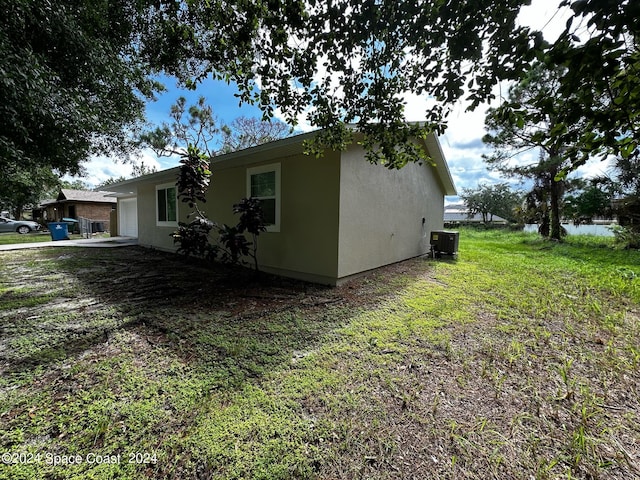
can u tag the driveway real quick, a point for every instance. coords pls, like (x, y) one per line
(109, 242)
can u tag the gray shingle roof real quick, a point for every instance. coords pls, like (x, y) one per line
(85, 196)
(459, 213)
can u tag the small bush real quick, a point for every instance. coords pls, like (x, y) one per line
(194, 238)
(626, 237)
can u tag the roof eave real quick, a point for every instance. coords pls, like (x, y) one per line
(437, 155)
(268, 151)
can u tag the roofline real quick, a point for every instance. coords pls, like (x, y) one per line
(218, 160)
(431, 142)
(265, 147)
(148, 176)
(441, 164)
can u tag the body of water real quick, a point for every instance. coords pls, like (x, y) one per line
(600, 230)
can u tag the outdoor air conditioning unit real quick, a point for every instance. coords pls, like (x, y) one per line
(444, 242)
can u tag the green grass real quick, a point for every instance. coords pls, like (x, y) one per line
(520, 359)
(11, 238)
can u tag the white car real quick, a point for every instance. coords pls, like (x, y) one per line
(20, 226)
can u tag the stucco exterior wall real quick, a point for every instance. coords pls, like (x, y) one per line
(149, 234)
(307, 244)
(382, 212)
(339, 215)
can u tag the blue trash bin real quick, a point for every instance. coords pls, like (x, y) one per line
(59, 231)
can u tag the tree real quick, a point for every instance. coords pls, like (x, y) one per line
(588, 199)
(140, 169)
(251, 221)
(194, 238)
(195, 125)
(490, 200)
(536, 127)
(21, 188)
(245, 132)
(627, 205)
(627, 172)
(337, 63)
(600, 51)
(350, 61)
(71, 83)
(346, 62)
(137, 170)
(72, 185)
(193, 134)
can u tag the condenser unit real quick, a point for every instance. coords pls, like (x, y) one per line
(444, 242)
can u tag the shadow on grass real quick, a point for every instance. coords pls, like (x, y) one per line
(215, 318)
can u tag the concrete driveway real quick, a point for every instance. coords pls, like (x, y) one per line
(108, 242)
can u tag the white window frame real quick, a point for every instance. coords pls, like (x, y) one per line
(164, 186)
(274, 167)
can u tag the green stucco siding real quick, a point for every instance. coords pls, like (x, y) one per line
(382, 212)
(149, 234)
(307, 244)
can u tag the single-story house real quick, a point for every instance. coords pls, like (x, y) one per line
(96, 206)
(329, 218)
(458, 214)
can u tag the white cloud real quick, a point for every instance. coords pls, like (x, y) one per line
(462, 142)
(545, 16)
(595, 168)
(99, 169)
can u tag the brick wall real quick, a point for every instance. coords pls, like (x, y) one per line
(97, 212)
(94, 211)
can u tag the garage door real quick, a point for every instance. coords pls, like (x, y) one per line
(128, 217)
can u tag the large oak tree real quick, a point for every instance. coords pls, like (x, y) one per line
(71, 83)
(73, 74)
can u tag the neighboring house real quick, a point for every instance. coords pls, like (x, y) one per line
(627, 210)
(329, 218)
(458, 214)
(96, 206)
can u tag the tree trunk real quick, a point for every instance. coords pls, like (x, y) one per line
(543, 229)
(255, 252)
(556, 187)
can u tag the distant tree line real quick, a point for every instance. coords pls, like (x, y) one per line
(539, 127)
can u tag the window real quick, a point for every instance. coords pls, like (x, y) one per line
(263, 183)
(166, 206)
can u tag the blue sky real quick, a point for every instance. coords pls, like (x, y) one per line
(218, 94)
(462, 142)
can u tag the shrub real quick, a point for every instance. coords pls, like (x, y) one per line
(626, 237)
(194, 238)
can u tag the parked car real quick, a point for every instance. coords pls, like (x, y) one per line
(20, 226)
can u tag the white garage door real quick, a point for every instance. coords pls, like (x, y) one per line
(128, 217)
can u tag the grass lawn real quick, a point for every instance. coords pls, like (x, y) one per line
(10, 238)
(519, 360)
